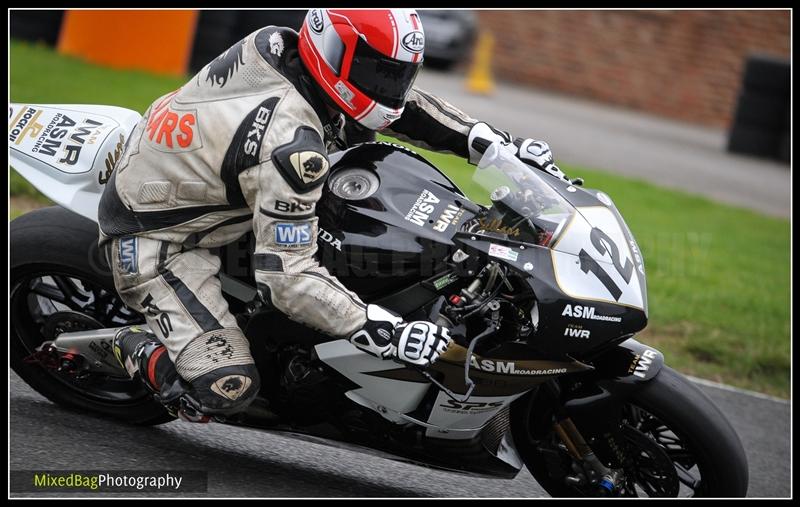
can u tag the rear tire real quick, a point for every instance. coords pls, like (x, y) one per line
(59, 242)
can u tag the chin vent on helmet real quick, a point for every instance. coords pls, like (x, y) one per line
(353, 184)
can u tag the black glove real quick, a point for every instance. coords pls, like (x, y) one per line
(375, 337)
(537, 154)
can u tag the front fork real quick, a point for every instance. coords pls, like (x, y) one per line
(589, 470)
(618, 373)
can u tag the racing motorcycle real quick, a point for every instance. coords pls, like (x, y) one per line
(539, 279)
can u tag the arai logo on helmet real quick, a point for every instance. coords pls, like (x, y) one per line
(414, 42)
(315, 21)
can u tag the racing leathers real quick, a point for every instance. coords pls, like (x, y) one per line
(242, 146)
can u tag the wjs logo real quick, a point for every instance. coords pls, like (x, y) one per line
(293, 234)
(128, 255)
(173, 131)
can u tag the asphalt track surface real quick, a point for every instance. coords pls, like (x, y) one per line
(251, 463)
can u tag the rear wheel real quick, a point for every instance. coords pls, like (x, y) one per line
(60, 283)
(670, 441)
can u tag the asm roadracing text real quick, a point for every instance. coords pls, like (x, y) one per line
(490, 365)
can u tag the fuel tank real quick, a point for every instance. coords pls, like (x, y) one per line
(387, 217)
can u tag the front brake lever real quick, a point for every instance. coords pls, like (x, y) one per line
(467, 362)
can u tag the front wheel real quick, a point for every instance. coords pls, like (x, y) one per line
(670, 440)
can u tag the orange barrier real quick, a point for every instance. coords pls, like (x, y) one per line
(157, 41)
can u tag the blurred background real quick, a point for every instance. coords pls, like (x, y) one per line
(683, 117)
(726, 69)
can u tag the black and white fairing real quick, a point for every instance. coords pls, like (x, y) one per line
(394, 216)
(572, 246)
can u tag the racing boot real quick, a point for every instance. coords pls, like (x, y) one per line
(140, 353)
(211, 391)
(143, 356)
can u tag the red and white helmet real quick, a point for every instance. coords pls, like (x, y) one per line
(364, 60)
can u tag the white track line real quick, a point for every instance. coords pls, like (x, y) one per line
(726, 387)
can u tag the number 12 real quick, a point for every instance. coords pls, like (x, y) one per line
(603, 243)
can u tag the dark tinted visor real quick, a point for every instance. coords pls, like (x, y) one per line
(383, 79)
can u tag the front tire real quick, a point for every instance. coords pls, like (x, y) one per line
(59, 281)
(668, 424)
(684, 408)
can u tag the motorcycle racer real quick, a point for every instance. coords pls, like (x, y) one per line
(244, 146)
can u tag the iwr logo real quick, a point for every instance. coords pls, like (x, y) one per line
(293, 234)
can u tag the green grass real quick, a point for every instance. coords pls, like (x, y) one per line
(718, 276)
(40, 75)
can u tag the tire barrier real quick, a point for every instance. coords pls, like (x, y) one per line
(763, 113)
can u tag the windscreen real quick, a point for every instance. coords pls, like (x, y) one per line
(524, 206)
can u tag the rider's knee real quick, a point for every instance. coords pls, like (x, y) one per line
(220, 370)
(227, 390)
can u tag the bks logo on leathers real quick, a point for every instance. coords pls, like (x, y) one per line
(256, 132)
(293, 207)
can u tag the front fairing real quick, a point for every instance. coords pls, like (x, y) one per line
(573, 247)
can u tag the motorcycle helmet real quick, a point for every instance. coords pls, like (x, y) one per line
(364, 61)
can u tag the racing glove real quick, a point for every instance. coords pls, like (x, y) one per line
(534, 153)
(386, 336)
(375, 337)
(420, 343)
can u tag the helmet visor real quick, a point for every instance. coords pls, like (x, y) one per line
(383, 79)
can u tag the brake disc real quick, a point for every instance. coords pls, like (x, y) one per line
(68, 322)
(647, 464)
